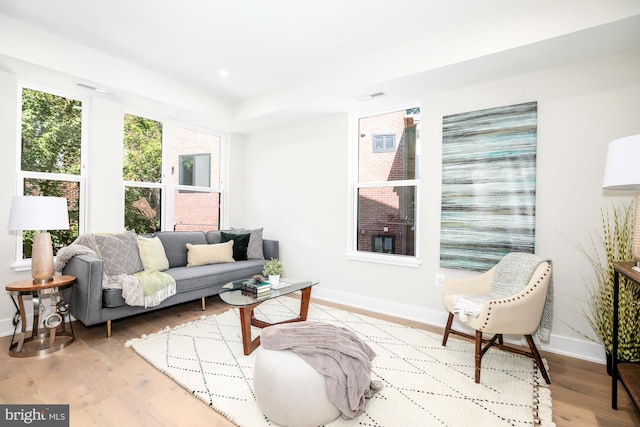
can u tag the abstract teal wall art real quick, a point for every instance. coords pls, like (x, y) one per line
(488, 185)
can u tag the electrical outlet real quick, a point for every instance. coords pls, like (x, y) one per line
(439, 279)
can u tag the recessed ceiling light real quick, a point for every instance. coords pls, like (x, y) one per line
(223, 73)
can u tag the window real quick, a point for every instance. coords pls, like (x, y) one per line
(142, 174)
(191, 198)
(384, 143)
(197, 192)
(195, 169)
(384, 244)
(50, 159)
(385, 186)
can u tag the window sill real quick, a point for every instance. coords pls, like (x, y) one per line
(399, 260)
(22, 265)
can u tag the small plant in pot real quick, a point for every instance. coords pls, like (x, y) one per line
(273, 268)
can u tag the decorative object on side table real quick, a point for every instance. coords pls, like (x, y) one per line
(39, 213)
(273, 269)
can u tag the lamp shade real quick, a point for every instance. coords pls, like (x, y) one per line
(622, 170)
(38, 213)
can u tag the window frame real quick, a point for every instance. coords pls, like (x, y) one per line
(352, 253)
(20, 264)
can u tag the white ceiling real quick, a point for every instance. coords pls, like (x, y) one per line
(325, 54)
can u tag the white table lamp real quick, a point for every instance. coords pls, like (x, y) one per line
(622, 172)
(39, 213)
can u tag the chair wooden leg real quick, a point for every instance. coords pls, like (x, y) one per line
(108, 328)
(447, 328)
(478, 355)
(203, 304)
(538, 359)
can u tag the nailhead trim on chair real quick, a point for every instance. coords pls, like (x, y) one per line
(486, 320)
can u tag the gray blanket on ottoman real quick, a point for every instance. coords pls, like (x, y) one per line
(335, 352)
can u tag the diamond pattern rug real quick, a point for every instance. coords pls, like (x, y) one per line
(425, 384)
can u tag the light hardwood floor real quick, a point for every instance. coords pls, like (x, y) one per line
(106, 384)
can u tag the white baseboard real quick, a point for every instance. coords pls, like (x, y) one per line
(585, 350)
(6, 327)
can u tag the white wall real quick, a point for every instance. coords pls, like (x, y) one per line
(300, 195)
(105, 193)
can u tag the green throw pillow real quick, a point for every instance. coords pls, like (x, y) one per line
(240, 244)
(254, 250)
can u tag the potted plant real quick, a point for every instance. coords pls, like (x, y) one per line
(273, 268)
(616, 238)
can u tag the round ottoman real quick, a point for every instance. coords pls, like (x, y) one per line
(289, 391)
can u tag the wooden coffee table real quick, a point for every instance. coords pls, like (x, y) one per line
(232, 294)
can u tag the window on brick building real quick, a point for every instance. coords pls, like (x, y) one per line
(384, 143)
(50, 155)
(171, 176)
(385, 186)
(195, 169)
(384, 244)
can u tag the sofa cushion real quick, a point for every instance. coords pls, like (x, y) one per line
(213, 236)
(175, 244)
(240, 244)
(152, 254)
(119, 253)
(209, 254)
(254, 250)
(205, 276)
(205, 279)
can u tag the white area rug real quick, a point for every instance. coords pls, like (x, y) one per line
(425, 384)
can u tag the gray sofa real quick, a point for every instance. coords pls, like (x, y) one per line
(92, 305)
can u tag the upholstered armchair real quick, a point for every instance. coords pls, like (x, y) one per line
(512, 298)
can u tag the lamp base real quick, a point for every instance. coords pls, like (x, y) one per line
(42, 258)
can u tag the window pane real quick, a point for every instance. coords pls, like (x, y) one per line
(195, 170)
(379, 159)
(388, 210)
(51, 133)
(196, 210)
(186, 170)
(204, 150)
(142, 209)
(142, 149)
(67, 189)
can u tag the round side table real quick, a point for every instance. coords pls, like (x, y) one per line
(57, 324)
